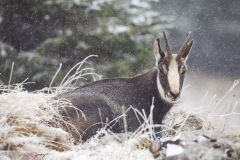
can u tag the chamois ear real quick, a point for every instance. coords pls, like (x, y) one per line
(186, 47)
(158, 52)
(187, 51)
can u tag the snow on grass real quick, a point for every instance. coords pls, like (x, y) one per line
(29, 123)
(31, 126)
(25, 122)
(106, 148)
(219, 110)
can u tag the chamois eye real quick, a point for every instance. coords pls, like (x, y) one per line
(182, 69)
(163, 69)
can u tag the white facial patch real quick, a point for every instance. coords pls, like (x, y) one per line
(161, 91)
(173, 75)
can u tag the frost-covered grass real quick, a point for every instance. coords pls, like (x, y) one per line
(31, 126)
(218, 104)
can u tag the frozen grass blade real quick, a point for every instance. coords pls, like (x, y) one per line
(78, 73)
(55, 75)
(10, 78)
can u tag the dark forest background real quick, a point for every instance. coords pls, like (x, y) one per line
(39, 35)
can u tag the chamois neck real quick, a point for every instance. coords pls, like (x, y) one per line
(148, 81)
(148, 78)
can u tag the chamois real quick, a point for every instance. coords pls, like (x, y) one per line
(101, 101)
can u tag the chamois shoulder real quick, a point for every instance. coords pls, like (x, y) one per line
(105, 82)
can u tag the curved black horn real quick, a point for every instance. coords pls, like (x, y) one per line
(168, 49)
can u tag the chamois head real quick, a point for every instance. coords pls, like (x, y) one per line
(171, 67)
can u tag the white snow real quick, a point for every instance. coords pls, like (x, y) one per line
(116, 29)
(173, 150)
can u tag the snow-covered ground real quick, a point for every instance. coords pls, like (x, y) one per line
(197, 128)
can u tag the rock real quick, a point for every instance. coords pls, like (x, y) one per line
(155, 148)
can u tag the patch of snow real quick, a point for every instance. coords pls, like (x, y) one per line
(173, 150)
(107, 149)
(77, 2)
(140, 3)
(117, 29)
(146, 17)
(3, 157)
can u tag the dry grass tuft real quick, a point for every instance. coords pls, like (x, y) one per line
(220, 113)
(25, 122)
(31, 121)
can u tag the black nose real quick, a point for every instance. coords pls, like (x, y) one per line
(174, 95)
